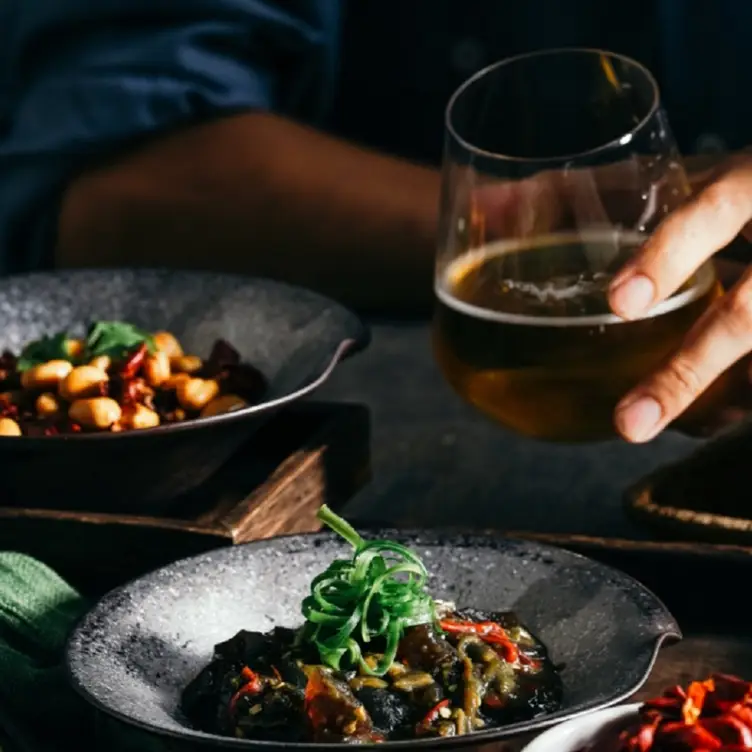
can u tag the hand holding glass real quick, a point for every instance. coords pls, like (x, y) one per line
(557, 166)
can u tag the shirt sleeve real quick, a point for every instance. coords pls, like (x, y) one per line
(83, 80)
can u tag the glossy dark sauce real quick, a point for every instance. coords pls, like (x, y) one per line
(442, 684)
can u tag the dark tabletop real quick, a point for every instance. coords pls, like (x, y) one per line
(435, 459)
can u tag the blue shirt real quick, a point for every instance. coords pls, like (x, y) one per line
(82, 80)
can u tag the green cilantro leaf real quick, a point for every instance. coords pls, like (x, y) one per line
(115, 338)
(42, 350)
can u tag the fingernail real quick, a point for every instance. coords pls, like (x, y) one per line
(632, 297)
(638, 419)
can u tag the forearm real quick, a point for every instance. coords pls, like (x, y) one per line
(257, 194)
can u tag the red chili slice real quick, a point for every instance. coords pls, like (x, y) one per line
(430, 717)
(252, 686)
(493, 701)
(133, 362)
(488, 631)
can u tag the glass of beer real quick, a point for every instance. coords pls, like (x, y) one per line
(558, 164)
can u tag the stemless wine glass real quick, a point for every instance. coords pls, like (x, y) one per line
(557, 166)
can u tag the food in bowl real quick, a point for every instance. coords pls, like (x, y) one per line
(376, 659)
(715, 714)
(118, 378)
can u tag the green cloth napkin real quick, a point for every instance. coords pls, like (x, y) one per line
(38, 609)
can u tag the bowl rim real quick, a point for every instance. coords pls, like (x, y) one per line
(424, 536)
(550, 739)
(348, 346)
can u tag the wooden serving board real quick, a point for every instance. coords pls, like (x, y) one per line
(310, 454)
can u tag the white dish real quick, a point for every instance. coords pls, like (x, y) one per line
(584, 731)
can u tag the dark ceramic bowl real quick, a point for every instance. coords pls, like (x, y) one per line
(132, 655)
(293, 336)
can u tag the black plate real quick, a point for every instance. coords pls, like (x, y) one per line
(135, 651)
(294, 336)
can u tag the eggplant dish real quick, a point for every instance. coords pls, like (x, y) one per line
(376, 659)
(118, 378)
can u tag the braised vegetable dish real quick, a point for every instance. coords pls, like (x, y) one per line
(118, 378)
(376, 659)
(713, 715)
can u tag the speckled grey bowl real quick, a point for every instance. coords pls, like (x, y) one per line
(295, 337)
(135, 651)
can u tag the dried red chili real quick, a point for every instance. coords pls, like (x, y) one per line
(133, 362)
(425, 724)
(488, 631)
(713, 715)
(135, 390)
(492, 700)
(252, 686)
(7, 408)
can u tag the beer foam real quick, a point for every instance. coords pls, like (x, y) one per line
(563, 288)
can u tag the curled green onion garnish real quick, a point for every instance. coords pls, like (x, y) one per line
(373, 596)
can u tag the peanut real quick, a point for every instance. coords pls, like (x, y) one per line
(168, 344)
(9, 427)
(194, 394)
(186, 363)
(175, 379)
(74, 347)
(97, 412)
(224, 404)
(81, 382)
(140, 416)
(47, 375)
(102, 362)
(157, 368)
(47, 405)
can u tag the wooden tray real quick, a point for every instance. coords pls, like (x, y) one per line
(309, 454)
(703, 496)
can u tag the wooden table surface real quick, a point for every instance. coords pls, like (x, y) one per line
(697, 656)
(438, 462)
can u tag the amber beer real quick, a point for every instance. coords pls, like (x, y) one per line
(523, 331)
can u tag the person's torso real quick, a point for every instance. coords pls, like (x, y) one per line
(400, 61)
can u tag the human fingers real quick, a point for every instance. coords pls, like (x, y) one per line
(726, 401)
(683, 241)
(720, 337)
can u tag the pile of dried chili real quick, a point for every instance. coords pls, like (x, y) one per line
(713, 715)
